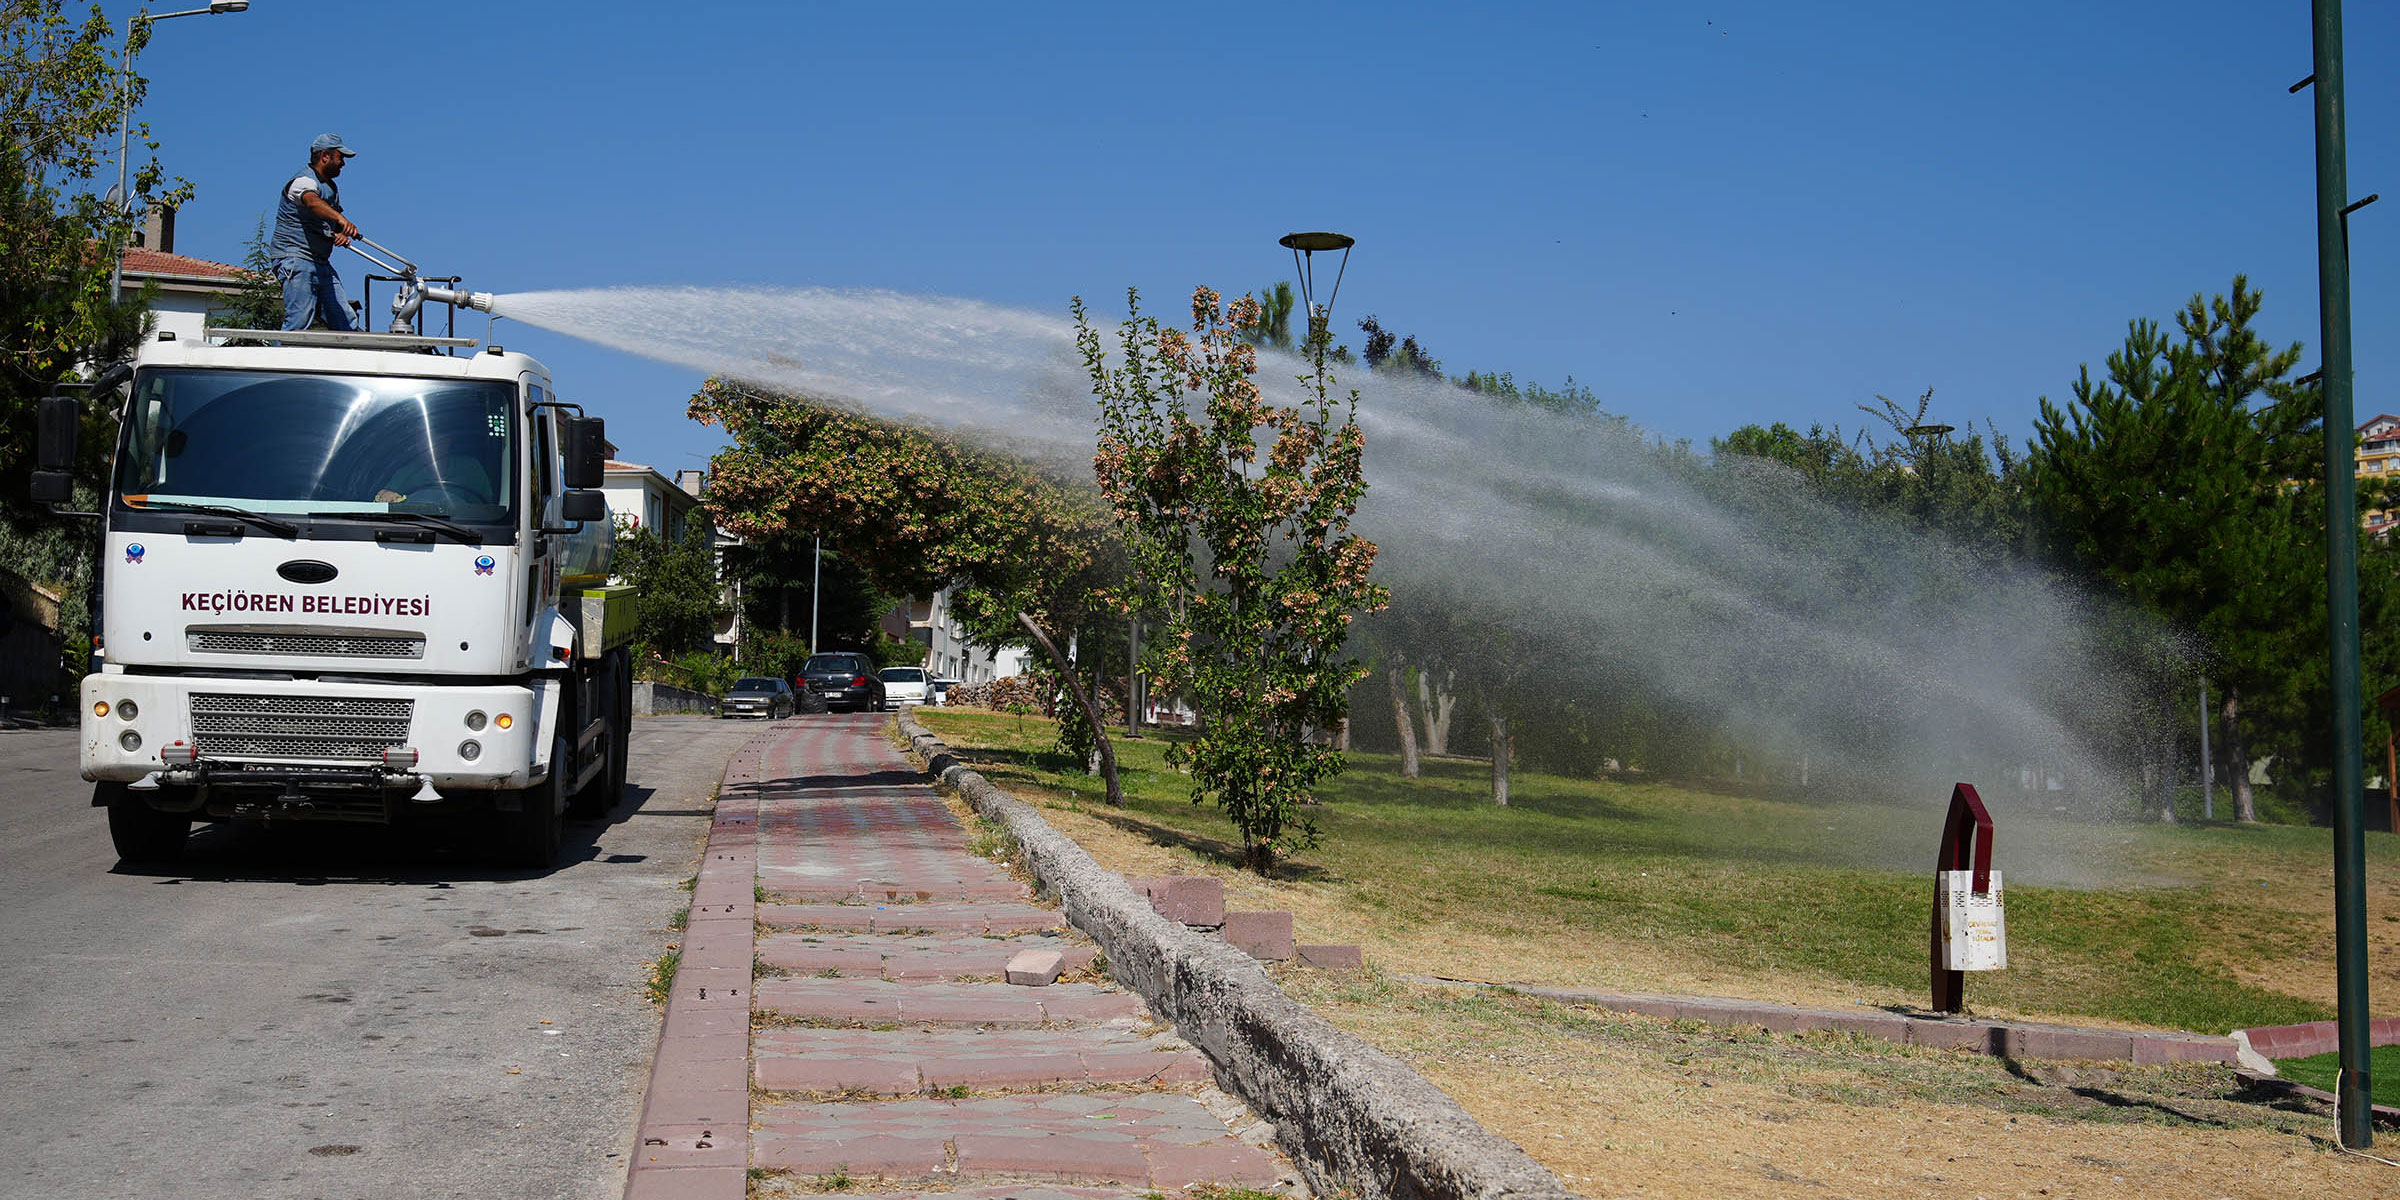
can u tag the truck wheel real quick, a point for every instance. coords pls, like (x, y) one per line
(142, 834)
(620, 748)
(530, 837)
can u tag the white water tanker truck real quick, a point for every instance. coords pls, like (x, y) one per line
(349, 577)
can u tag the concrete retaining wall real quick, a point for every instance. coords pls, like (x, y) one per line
(1354, 1118)
(651, 699)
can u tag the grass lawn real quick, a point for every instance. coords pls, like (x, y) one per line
(1811, 899)
(2318, 1071)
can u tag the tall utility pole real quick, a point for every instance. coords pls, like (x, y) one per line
(816, 578)
(2356, 1115)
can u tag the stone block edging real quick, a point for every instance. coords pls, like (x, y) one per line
(1354, 1118)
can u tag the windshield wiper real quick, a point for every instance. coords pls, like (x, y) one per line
(279, 528)
(472, 537)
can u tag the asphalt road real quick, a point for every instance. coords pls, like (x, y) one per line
(329, 1011)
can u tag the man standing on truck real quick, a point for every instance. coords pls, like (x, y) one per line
(308, 225)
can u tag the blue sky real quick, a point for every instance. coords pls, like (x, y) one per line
(1711, 214)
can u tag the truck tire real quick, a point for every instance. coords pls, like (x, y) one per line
(620, 749)
(142, 834)
(601, 796)
(530, 837)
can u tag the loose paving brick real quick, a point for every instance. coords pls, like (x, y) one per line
(1333, 958)
(1195, 900)
(1034, 968)
(1261, 935)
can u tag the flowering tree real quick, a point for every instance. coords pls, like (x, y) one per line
(1251, 560)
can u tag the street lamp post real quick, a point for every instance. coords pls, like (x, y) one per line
(2355, 1121)
(1304, 247)
(116, 275)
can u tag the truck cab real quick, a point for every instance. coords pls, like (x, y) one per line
(352, 577)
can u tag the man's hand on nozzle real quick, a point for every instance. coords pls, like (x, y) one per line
(344, 231)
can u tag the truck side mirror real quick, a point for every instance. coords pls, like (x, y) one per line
(583, 505)
(586, 454)
(56, 423)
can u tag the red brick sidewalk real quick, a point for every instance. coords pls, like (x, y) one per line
(882, 1053)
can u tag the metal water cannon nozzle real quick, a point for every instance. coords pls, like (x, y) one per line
(479, 301)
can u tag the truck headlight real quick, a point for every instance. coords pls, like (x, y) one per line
(475, 720)
(131, 740)
(126, 710)
(470, 750)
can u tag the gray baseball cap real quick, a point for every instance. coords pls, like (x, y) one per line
(330, 141)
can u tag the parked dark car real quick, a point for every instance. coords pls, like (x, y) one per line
(759, 697)
(846, 681)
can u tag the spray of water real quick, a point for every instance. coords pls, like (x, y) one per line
(1849, 639)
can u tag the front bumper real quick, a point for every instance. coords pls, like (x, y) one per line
(746, 708)
(283, 719)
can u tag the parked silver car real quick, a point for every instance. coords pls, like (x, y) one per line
(758, 697)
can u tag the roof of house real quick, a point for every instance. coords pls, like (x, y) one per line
(2379, 418)
(141, 260)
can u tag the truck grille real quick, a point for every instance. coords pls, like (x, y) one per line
(315, 727)
(339, 645)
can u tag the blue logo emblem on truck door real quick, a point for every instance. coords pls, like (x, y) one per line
(133, 552)
(483, 562)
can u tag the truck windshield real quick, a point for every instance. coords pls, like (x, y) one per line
(327, 445)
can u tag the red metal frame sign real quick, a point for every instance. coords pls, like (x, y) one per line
(1967, 832)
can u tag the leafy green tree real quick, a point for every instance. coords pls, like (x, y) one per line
(677, 594)
(60, 92)
(1252, 560)
(257, 300)
(1273, 325)
(1972, 490)
(1570, 399)
(2171, 481)
(1387, 351)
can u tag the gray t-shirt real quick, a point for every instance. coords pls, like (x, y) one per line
(298, 232)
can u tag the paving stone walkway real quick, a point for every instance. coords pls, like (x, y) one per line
(885, 1057)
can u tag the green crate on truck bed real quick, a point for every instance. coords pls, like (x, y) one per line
(604, 614)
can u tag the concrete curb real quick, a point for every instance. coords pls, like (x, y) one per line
(693, 1142)
(2313, 1037)
(2001, 1039)
(1354, 1118)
